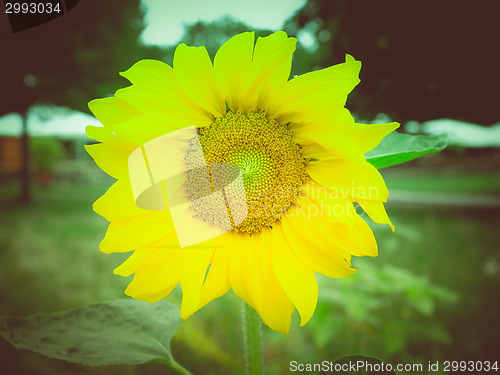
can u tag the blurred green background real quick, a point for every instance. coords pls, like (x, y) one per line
(431, 294)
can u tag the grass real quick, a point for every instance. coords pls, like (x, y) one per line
(449, 181)
(49, 260)
(47, 244)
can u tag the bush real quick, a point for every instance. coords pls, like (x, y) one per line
(44, 153)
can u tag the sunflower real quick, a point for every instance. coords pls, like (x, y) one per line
(299, 153)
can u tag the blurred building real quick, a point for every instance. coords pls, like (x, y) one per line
(58, 134)
(10, 155)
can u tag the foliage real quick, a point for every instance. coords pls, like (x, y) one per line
(73, 58)
(45, 152)
(130, 332)
(70, 60)
(399, 148)
(42, 239)
(360, 296)
(120, 331)
(419, 60)
(351, 308)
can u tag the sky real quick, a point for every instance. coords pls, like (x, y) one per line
(165, 19)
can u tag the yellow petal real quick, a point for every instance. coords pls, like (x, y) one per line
(349, 179)
(245, 273)
(156, 267)
(153, 297)
(192, 278)
(117, 202)
(313, 246)
(159, 278)
(155, 91)
(369, 136)
(329, 133)
(252, 278)
(133, 262)
(195, 74)
(277, 308)
(149, 73)
(330, 205)
(128, 233)
(111, 111)
(112, 158)
(147, 257)
(168, 107)
(314, 92)
(347, 232)
(298, 282)
(99, 133)
(217, 281)
(376, 211)
(231, 64)
(357, 240)
(339, 144)
(104, 134)
(268, 72)
(330, 121)
(142, 129)
(362, 239)
(317, 152)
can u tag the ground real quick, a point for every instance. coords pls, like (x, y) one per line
(442, 263)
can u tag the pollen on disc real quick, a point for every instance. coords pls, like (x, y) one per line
(271, 165)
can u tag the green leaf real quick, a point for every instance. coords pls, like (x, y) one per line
(359, 364)
(399, 148)
(123, 331)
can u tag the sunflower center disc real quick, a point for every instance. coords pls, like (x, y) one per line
(270, 162)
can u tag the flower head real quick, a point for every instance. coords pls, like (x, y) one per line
(296, 149)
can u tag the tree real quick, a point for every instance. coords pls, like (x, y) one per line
(70, 60)
(421, 59)
(212, 35)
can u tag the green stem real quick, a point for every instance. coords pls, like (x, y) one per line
(253, 340)
(176, 366)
